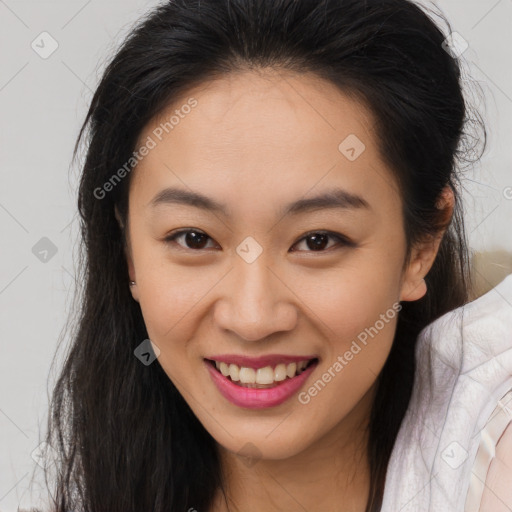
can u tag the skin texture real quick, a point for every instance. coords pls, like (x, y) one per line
(497, 493)
(255, 142)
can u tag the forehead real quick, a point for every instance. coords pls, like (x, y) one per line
(264, 133)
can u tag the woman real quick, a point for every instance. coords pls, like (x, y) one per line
(270, 217)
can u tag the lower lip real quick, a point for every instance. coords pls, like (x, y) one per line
(254, 398)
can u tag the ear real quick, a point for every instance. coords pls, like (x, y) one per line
(424, 253)
(128, 255)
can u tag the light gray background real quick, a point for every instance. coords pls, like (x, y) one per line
(43, 102)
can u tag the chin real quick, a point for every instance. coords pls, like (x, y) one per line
(262, 446)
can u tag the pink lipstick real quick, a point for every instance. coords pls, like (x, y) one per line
(259, 398)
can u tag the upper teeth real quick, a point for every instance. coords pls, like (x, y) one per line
(266, 375)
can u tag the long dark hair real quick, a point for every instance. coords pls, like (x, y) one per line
(126, 439)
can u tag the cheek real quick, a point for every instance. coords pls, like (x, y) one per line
(357, 315)
(171, 306)
(171, 297)
(356, 309)
(349, 299)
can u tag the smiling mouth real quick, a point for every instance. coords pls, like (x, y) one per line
(261, 378)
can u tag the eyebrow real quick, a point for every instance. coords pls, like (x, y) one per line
(334, 198)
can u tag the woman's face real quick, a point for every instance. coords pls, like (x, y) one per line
(258, 276)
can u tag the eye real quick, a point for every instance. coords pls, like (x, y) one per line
(195, 239)
(317, 240)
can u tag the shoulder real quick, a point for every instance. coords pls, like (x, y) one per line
(472, 334)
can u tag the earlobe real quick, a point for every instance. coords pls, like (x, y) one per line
(134, 290)
(414, 286)
(416, 290)
(129, 262)
(132, 283)
(131, 273)
(424, 254)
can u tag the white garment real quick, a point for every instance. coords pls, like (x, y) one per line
(463, 369)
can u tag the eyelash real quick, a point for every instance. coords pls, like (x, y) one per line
(340, 238)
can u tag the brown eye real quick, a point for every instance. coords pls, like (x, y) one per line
(194, 239)
(317, 241)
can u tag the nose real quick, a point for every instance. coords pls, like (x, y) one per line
(256, 302)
